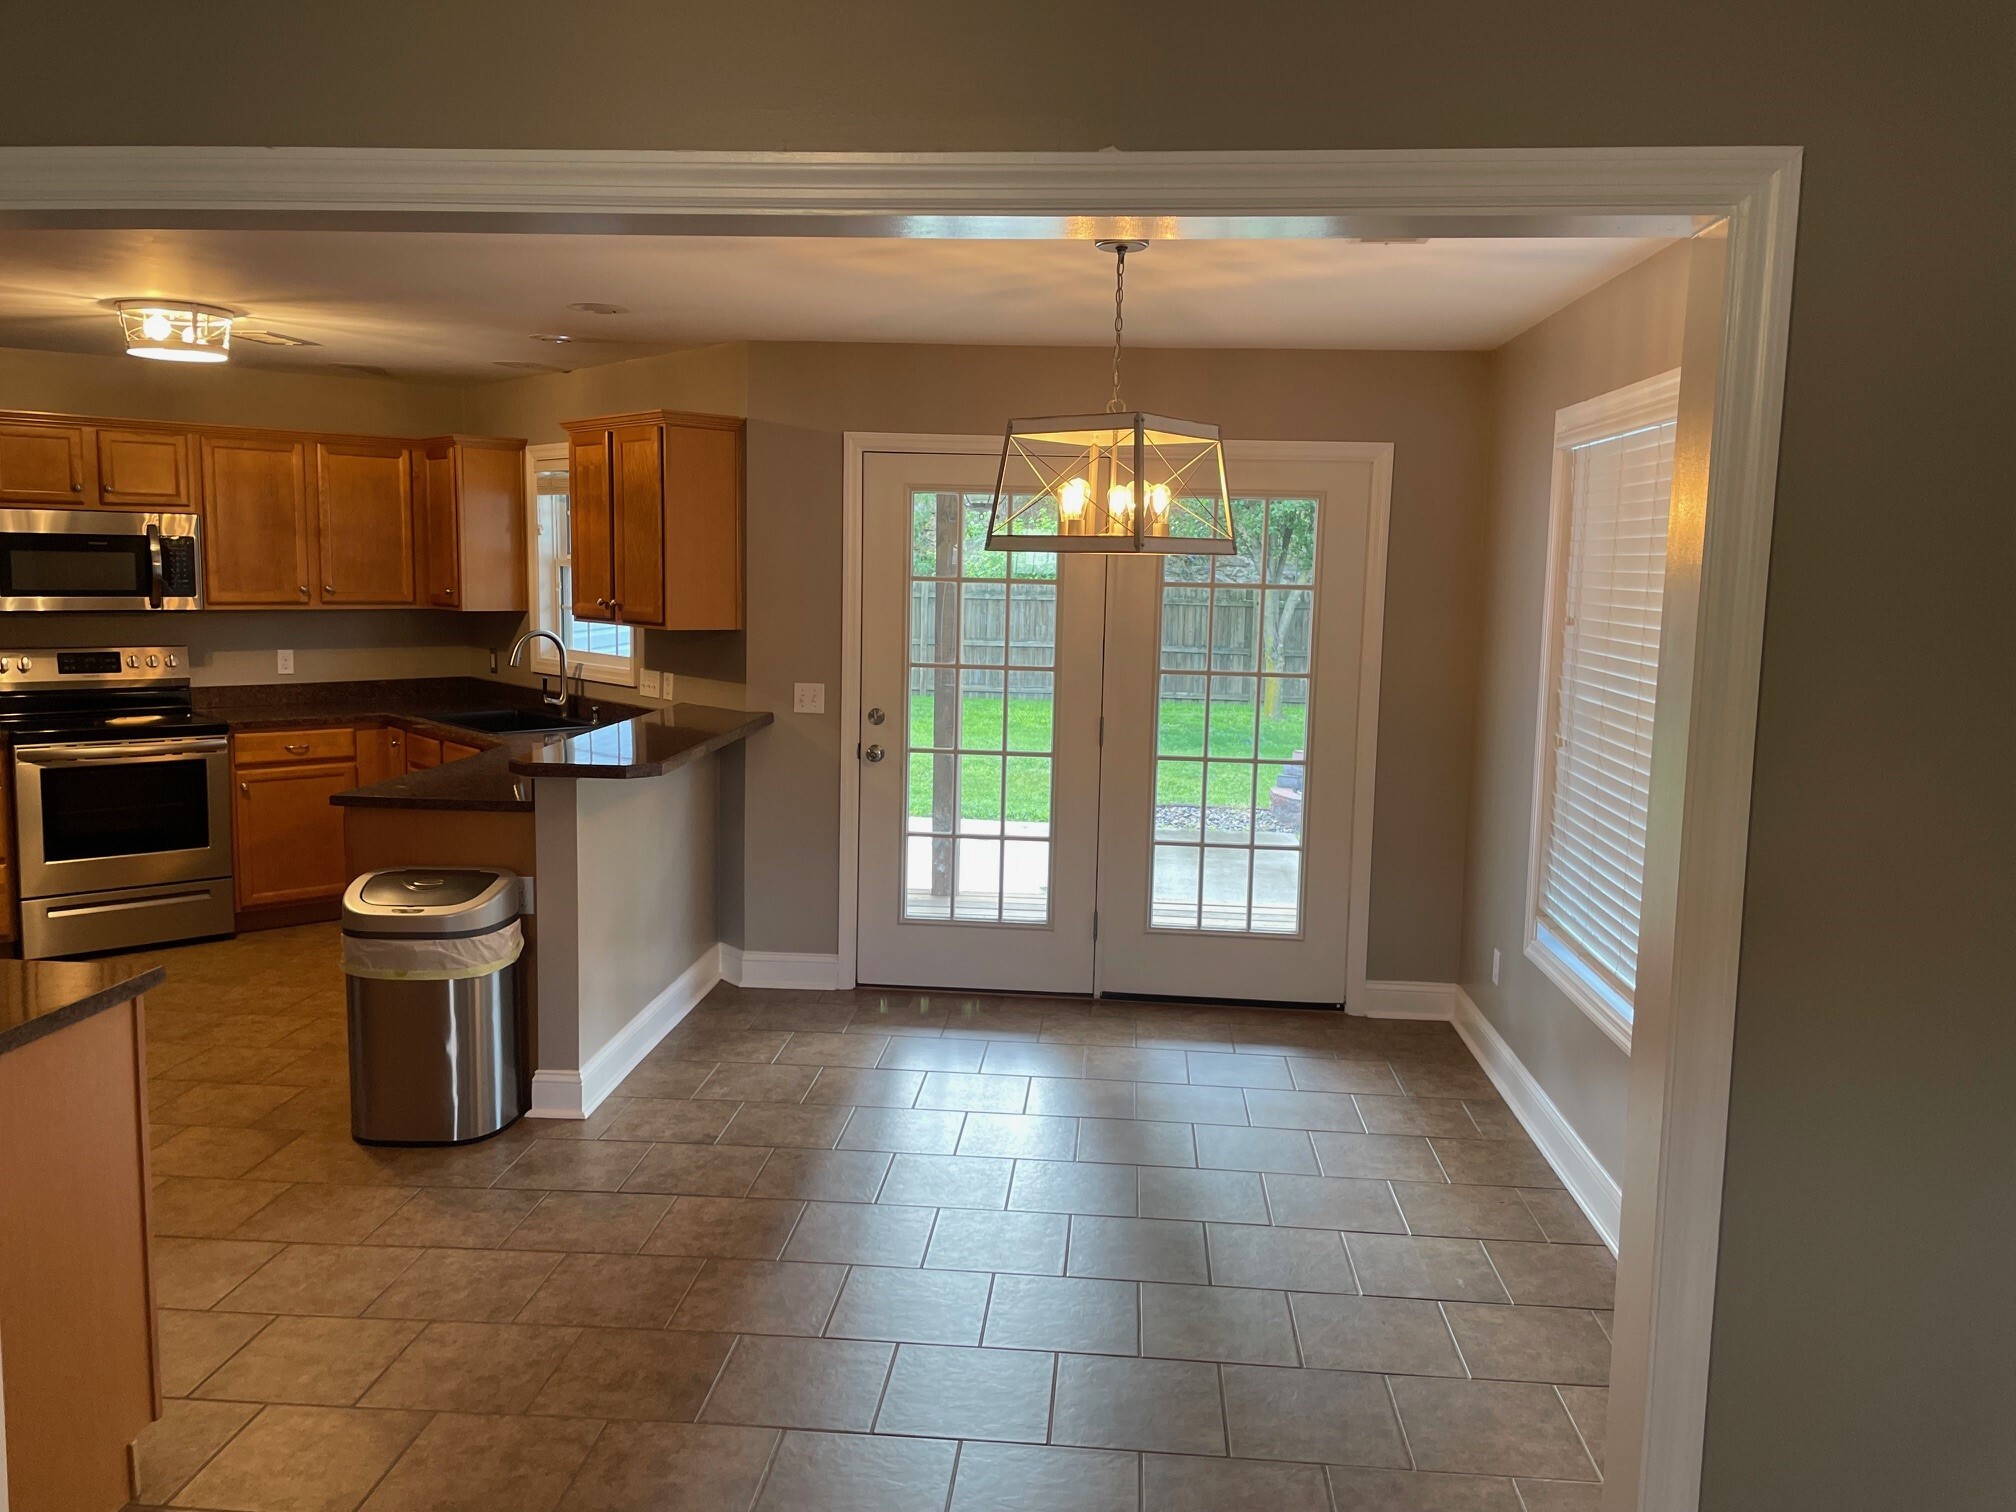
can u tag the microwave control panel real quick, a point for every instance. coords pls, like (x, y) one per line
(178, 566)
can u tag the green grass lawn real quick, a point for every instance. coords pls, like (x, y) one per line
(1028, 727)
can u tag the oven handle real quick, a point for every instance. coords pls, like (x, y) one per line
(160, 900)
(122, 753)
(156, 575)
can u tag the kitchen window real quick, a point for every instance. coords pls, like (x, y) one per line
(1613, 483)
(604, 653)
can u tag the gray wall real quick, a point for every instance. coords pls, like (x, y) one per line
(1625, 331)
(1862, 1355)
(804, 397)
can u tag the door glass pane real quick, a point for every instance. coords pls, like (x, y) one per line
(977, 848)
(1234, 687)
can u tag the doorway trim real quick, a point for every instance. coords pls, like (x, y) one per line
(854, 507)
(1685, 1030)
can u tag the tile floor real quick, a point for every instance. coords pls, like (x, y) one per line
(868, 1252)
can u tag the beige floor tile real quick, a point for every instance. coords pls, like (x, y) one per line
(606, 1223)
(1559, 1496)
(314, 1110)
(903, 1130)
(1320, 1416)
(972, 1092)
(465, 1286)
(801, 1383)
(1017, 1477)
(196, 1273)
(1137, 1249)
(739, 1081)
(963, 1181)
(1466, 1212)
(1391, 1335)
(666, 1078)
(322, 1362)
(668, 1122)
(1072, 1097)
(852, 1234)
(462, 1463)
(760, 1297)
(1023, 1136)
(1453, 1079)
(816, 1048)
(696, 1170)
(1227, 1148)
(1125, 1141)
(331, 1158)
(1216, 1323)
(327, 1280)
(634, 1374)
(912, 1053)
(195, 1343)
(937, 1391)
(454, 1218)
(584, 1165)
(1415, 1115)
(1495, 1162)
(1556, 1275)
(1064, 1186)
(911, 1306)
(1560, 1220)
(672, 1467)
(796, 1126)
(222, 1104)
(822, 1175)
(1007, 1243)
(612, 1291)
(1123, 1063)
(1190, 1483)
(200, 1207)
(181, 1441)
(1451, 1270)
(1369, 1076)
(1213, 1069)
(1357, 1489)
(1207, 1195)
(726, 1229)
(838, 1472)
(1490, 1428)
(1552, 1344)
(472, 1367)
(1064, 1313)
(200, 1151)
(1010, 1058)
(303, 1459)
(1589, 1407)
(1332, 1202)
(311, 1214)
(1383, 1157)
(859, 1087)
(1169, 1406)
(1284, 1259)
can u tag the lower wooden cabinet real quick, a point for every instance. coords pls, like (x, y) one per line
(422, 751)
(287, 835)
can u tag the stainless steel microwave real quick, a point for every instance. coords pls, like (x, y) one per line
(99, 559)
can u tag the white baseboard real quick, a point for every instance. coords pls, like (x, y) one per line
(1405, 1000)
(1592, 1187)
(803, 971)
(576, 1094)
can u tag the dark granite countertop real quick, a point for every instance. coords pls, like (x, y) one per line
(41, 997)
(648, 746)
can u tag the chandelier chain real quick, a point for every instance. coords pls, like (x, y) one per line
(1119, 322)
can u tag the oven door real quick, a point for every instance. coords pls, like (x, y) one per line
(101, 815)
(96, 559)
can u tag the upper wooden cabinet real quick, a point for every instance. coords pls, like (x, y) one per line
(655, 520)
(364, 518)
(472, 492)
(144, 469)
(258, 537)
(44, 464)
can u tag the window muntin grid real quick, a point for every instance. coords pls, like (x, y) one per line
(979, 720)
(1234, 684)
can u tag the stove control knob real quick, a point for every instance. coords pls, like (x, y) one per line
(153, 661)
(132, 660)
(171, 661)
(3, 663)
(25, 664)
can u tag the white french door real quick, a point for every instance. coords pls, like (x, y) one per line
(1111, 774)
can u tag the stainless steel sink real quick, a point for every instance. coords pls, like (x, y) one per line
(512, 721)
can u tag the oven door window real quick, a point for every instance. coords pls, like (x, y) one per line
(53, 566)
(131, 809)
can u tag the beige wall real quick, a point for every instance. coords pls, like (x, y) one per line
(803, 398)
(1627, 330)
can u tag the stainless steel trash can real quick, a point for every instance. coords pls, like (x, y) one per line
(432, 981)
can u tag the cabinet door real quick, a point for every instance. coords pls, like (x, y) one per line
(703, 528)
(637, 471)
(145, 469)
(395, 751)
(590, 528)
(43, 464)
(490, 526)
(256, 532)
(422, 751)
(455, 750)
(289, 835)
(436, 469)
(364, 499)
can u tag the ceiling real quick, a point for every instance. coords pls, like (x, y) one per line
(457, 305)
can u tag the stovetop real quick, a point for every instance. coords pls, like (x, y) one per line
(99, 694)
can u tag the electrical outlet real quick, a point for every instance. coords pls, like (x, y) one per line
(808, 698)
(649, 683)
(1494, 966)
(286, 659)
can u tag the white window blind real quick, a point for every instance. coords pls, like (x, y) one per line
(603, 652)
(1605, 663)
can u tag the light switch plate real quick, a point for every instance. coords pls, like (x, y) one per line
(649, 683)
(1494, 966)
(286, 660)
(808, 698)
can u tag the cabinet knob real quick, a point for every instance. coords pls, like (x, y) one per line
(304, 590)
(299, 750)
(76, 488)
(328, 587)
(245, 788)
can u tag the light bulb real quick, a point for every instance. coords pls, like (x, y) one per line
(1071, 499)
(1120, 504)
(189, 331)
(155, 327)
(1158, 502)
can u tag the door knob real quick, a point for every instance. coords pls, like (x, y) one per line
(873, 753)
(876, 716)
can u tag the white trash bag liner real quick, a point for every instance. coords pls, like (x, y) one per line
(420, 958)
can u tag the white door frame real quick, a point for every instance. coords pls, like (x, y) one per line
(1699, 844)
(1378, 453)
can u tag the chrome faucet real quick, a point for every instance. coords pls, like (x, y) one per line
(546, 695)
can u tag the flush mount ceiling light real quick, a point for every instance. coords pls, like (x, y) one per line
(1119, 482)
(176, 330)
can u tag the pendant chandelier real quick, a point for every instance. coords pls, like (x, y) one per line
(1121, 482)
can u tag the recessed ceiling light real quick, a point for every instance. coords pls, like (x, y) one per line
(589, 307)
(272, 338)
(552, 339)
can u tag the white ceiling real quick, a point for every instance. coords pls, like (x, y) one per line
(434, 305)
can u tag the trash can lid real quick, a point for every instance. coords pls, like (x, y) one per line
(431, 901)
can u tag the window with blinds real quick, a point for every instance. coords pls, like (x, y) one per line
(1614, 488)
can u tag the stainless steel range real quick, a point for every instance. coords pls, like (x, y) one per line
(122, 800)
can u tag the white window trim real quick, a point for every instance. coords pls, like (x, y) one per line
(595, 666)
(1652, 402)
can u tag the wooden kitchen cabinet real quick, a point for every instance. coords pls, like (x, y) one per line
(655, 520)
(9, 929)
(472, 491)
(144, 469)
(258, 538)
(422, 751)
(364, 510)
(287, 836)
(43, 464)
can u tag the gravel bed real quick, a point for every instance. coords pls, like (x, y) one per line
(1225, 820)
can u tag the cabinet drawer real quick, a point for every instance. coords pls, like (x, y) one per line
(330, 743)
